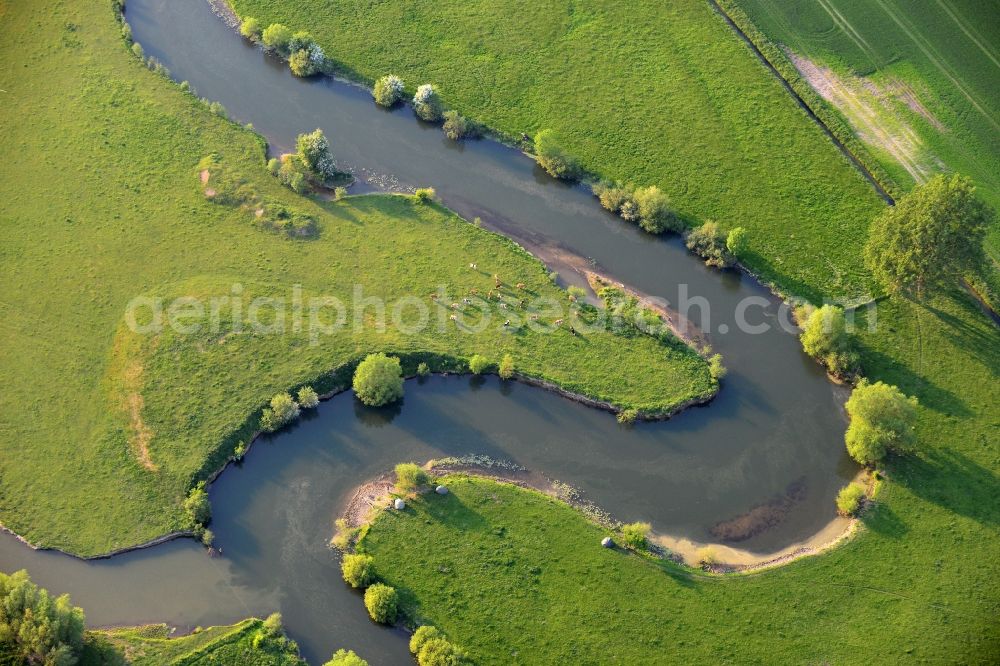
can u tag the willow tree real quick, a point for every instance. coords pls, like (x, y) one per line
(932, 237)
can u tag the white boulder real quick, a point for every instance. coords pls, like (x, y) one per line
(399, 504)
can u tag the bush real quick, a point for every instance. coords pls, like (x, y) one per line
(345, 658)
(410, 477)
(308, 398)
(273, 626)
(339, 193)
(276, 37)
(706, 556)
(612, 197)
(506, 367)
(313, 150)
(358, 570)
(634, 535)
(882, 420)
(737, 242)
(456, 127)
(427, 104)
(36, 628)
(423, 369)
(282, 410)
(849, 499)
(378, 380)
(825, 337)
(197, 507)
(382, 603)
(440, 652)
(716, 368)
(478, 364)
(274, 166)
(708, 242)
(628, 416)
(388, 90)
(655, 215)
(553, 158)
(207, 538)
(250, 28)
(423, 634)
(303, 63)
(137, 50)
(424, 194)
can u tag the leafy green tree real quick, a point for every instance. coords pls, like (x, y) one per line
(197, 506)
(655, 214)
(506, 366)
(931, 237)
(308, 398)
(313, 149)
(708, 242)
(423, 369)
(628, 416)
(456, 126)
(825, 337)
(553, 158)
(882, 419)
(378, 380)
(716, 368)
(634, 535)
(423, 634)
(478, 364)
(382, 602)
(358, 570)
(427, 103)
(36, 628)
(440, 652)
(737, 242)
(388, 90)
(273, 625)
(849, 499)
(282, 410)
(612, 197)
(344, 657)
(277, 37)
(250, 28)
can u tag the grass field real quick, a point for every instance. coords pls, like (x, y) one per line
(943, 53)
(103, 431)
(655, 93)
(152, 646)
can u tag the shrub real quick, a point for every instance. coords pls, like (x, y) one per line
(250, 28)
(478, 364)
(240, 451)
(506, 367)
(634, 535)
(706, 556)
(410, 477)
(423, 634)
(344, 657)
(207, 538)
(339, 193)
(825, 338)
(708, 242)
(628, 416)
(456, 127)
(358, 570)
(613, 197)
(301, 64)
(715, 367)
(424, 194)
(313, 150)
(378, 380)
(282, 410)
(36, 628)
(382, 603)
(849, 499)
(576, 293)
(273, 626)
(427, 104)
(440, 652)
(274, 166)
(737, 242)
(308, 398)
(300, 41)
(553, 158)
(882, 419)
(388, 90)
(655, 215)
(276, 37)
(137, 50)
(423, 369)
(197, 507)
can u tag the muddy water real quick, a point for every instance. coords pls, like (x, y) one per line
(772, 438)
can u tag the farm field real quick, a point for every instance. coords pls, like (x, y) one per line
(927, 71)
(136, 420)
(670, 97)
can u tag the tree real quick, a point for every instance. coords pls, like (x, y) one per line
(849, 499)
(282, 410)
(478, 364)
(716, 368)
(882, 420)
(456, 127)
(708, 242)
(300, 41)
(313, 149)
(427, 104)
(306, 62)
(410, 477)
(655, 215)
(276, 37)
(358, 570)
(506, 366)
(634, 535)
(423, 634)
(612, 197)
(344, 657)
(250, 28)
(36, 628)
(308, 398)
(378, 380)
(273, 625)
(382, 603)
(197, 506)
(440, 652)
(930, 237)
(737, 242)
(423, 369)
(553, 158)
(388, 90)
(825, 337)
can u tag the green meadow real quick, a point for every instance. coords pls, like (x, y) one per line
(104, 430)
(945, 54)
(656, 93)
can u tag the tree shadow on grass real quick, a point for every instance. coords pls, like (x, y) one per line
(883, 520)
(974, 332)
(451, 511)
(952, 481)
(927, 392)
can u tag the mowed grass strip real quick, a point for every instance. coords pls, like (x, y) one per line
(101, 432)
(650, 92)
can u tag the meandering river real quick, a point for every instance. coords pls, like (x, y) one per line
(775, 432)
